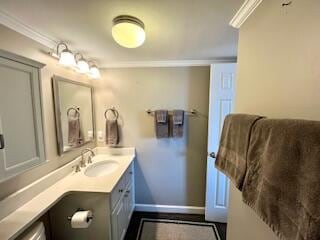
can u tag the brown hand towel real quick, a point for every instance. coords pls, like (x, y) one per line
(161, 120)
(112, 132)
(177, 123)
(234, 142)
(282, 183)
(74, 131)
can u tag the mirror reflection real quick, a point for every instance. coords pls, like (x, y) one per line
(74, 113)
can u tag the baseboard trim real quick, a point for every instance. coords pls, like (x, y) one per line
(169, 209)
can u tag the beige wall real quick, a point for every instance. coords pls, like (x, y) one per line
(16, 43)
(278, 76)
(168, 171)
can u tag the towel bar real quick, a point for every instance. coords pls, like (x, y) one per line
(76, 109)
(192, 112)
(114, 111)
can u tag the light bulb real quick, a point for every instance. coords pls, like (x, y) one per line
(94, 72)
(82, 66)
(67, 58)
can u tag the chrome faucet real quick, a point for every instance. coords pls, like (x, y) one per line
(83, 162)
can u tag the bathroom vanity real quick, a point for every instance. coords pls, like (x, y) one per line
(106, 187)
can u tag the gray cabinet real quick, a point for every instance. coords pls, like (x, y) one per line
(112, 212)
(21, 128)
(124, 207)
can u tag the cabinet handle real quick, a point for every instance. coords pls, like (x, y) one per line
(131, 172)
(120, 190)
(128, 191)
(1, 141)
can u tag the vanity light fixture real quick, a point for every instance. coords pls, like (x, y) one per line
(82, 65)
(94, 71)
(75, 61)
(66, 57)
(128, 31)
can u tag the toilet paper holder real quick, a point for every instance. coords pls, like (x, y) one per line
(80, 209)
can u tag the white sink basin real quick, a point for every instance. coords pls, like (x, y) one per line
(101, 168)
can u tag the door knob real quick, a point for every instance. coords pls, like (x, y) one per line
(212, 154)
(1, 141)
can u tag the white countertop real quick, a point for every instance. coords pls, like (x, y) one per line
(17, 221)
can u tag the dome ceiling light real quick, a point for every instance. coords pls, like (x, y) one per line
(128, 31)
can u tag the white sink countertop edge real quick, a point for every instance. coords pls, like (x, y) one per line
(21, 218)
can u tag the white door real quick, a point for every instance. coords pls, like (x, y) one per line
(222, 92)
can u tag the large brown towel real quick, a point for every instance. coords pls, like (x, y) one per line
(234, 142)
(282, 183)
(112, 132)
(177, 123)
(161, 120)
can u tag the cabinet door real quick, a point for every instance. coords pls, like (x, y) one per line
(129, 199)
(119, 220)
(20, 118)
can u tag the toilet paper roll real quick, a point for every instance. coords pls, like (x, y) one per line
(81, 219)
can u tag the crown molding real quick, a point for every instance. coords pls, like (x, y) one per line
(20, 27)
(169, 63)
(244, 12)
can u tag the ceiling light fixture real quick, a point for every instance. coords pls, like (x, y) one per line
(128, 31)
(75, 61)
(82, 65)
(94, 71)
(66, 57)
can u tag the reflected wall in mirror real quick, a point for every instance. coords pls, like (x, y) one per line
(74, 113)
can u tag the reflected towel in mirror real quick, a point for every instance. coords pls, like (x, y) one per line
(74, 131)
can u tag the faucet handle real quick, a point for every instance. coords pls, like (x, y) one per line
(77, 168)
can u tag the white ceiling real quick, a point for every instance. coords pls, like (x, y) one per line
(175, 29)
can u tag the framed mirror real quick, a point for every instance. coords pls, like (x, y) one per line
(74, 113)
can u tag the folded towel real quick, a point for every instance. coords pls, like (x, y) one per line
(282, 183)
(74, 132)
(177, 123)
(161, 116)
(232, 154)
(112, 132)
(161, 123)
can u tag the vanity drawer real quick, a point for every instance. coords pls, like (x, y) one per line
(129, 174)
(118, 191)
